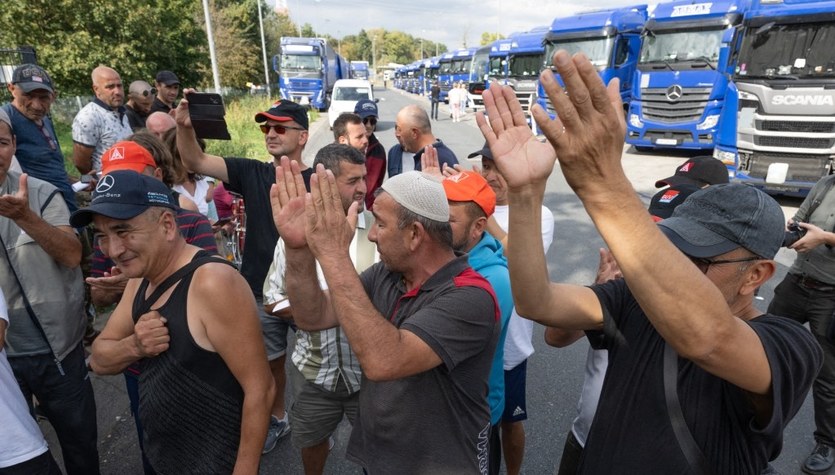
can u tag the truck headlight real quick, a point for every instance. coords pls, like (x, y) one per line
(635, 121)
(728, 158)
(747, 96)
(709, 122)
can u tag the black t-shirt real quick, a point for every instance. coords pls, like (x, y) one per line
(632, 433)
(252, 179)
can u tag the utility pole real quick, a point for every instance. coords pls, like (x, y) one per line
(264, 51)
(212, 55)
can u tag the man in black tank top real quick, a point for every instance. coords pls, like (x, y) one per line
(206, 388)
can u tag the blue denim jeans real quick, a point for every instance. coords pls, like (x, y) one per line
(67, 401)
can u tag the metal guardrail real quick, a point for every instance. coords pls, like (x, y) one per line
(11, 58)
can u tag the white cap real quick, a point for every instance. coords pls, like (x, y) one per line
(420, 194)
(5, 118)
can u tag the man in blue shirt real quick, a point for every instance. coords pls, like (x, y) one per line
(414, 132)
(37, 149)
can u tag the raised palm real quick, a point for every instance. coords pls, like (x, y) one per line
(287, 198)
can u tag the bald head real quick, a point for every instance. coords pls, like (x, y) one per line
(159, 123)
(413, 129)
(140, 96)
(107, 86)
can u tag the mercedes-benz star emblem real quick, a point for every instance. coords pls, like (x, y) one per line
(105, 184)
(674, 93)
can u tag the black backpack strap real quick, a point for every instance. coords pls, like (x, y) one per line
(692, 452)
(142, 305)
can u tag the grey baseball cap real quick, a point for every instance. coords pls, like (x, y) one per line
(721, 218)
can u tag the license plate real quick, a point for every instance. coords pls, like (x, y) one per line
(666, 141)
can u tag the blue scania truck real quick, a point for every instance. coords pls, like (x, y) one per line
(307, 69)
(610, 38)
(681, 79)
(487, 64)
(777, 129)
(525, 60)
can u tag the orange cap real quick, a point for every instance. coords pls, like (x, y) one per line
(126, 156)
(469, 186)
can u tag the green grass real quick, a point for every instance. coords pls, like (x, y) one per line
(247, 139)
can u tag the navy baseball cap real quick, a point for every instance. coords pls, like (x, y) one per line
(124, 194)
(284, 111)
(484, 152)
(366, 108)
(721, 218)
(31, 77)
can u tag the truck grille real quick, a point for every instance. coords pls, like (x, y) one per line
(796, 126)
(793, 142)
(806, 168)
(656, 105)
(527, 99)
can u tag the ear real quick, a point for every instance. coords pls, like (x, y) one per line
(415, 235)
(756, 275)
(479, 225)
(342, 140)
(169, 224)
(303, 136)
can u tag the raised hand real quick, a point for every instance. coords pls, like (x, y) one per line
(151, 334)
(329, 232)
(522, 159)
(181, 114)
(113, 281)
(287, 197)
(429, 162)
(589, 129)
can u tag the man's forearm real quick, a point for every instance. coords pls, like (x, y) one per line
(528, 270)
(113, 356)
(255, 417)
(311, 307)
(103, 298)
(62, 246)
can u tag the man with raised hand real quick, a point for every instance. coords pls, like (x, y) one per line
(422, 323)
(686, 300)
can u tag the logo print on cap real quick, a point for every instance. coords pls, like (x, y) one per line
(686, 167)
(117, 153)
(105, 184)
(458, 178)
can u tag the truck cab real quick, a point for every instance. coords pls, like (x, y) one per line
(307, 69)
(681, 78)
(479, 75)
(525, 60)
(777, 129)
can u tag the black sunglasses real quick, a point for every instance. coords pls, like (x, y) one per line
(146, 92)
(370, 120)
(279, 129)
(704, 264)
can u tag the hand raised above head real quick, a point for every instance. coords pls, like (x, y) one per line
(287, 197)
(329, 231)
(589, 129)
(181, 114)
(521, 158)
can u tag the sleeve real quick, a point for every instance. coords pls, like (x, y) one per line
(795, 359)
(198, 232)
(274, 283)
(547, 228)
(615, 301)
(457, 324)
(55, 211)
(84, 128)
(236, 169)
(446, 156)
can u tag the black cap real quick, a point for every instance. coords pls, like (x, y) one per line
(284, 111)
(700, 171)
(484, 152)
(168, 78)
(124, 194)
(661, 205)
(31, 77)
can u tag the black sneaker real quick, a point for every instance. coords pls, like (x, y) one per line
(820, 460)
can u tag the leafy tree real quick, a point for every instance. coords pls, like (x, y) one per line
(308, 32)
(487, 38)
(71, 37)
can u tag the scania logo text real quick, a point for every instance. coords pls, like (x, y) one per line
(801, 100)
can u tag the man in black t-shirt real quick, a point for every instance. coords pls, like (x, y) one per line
(686, 298)
(285, 134)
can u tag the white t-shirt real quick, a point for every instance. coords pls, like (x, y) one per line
(518, 345)
(201, 189)
(20, 437)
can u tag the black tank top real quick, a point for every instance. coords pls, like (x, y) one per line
(189, 402)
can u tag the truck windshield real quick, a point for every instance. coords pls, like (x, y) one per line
(457, 66)
(445, 67)
(788, 51)
(525, 66)
(598, 50)
(479, 67)
(301, 62)
(676, 46)
(496, 67)
(350, 93)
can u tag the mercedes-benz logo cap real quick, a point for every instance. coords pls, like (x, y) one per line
(124, 194)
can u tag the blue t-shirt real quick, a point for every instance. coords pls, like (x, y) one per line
(39, 153)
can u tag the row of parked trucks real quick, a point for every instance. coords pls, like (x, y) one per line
(753, 81)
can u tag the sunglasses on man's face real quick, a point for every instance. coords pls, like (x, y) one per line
(370, 120)
(147, 92)
(279, 129)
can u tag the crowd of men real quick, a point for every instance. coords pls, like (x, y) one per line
(412, 286)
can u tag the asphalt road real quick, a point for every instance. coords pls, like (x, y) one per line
(554, 376)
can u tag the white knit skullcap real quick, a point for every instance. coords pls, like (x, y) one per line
(419, 194)
(5, 118)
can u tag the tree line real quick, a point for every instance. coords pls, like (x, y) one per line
(71, 37)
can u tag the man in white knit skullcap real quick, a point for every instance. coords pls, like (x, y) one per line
(422, 323)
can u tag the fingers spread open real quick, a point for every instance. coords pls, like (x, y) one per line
(563, 106)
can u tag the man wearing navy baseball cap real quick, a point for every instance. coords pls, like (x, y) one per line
(375, 153)
(202, 337)
(284, 126)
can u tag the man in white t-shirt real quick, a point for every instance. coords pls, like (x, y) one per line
(23, 449)
(518, 345)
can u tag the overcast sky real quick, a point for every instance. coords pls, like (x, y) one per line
(445, 21)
